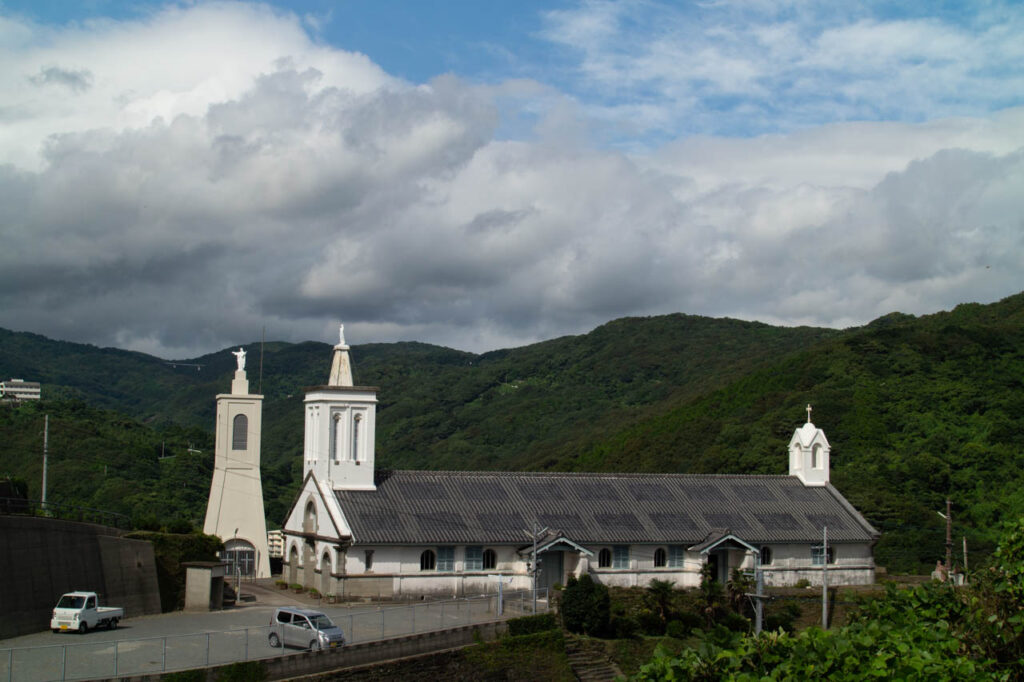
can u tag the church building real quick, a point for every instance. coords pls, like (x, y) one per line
(356, 532)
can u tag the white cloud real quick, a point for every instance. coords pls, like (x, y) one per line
(177, 210)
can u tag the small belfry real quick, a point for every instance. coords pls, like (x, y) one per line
(234, 512)
(809, 454)
(341, 427)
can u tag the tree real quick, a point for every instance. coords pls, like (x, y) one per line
(586, 606)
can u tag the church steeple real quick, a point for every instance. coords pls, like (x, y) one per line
(341, 366)
(341, 426)
(809, 454)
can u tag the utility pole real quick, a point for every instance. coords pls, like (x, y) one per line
(965, 559)
(46, 440)
(824, 578)
(535, 534)
(759, 599)
(949, 539)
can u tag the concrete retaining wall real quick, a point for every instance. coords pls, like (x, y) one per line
(309, 663)
(40, 559)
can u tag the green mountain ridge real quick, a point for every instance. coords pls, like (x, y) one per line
(916, 408)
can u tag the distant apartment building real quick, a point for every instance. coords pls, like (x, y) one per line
(275, 544)
(17, 390)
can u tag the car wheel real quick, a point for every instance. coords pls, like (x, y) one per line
(56, 631)
(274, 640)
(82, 628)
(314, 645)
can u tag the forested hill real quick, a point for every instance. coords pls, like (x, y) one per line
(915, 408)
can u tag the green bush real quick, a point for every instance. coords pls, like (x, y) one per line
(586, 606)
(650, 623)
(677, 629)
(623, 627)
(802, 583)
(781, 616)
(528, 625)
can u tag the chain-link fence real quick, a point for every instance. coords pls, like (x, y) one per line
(83, 661)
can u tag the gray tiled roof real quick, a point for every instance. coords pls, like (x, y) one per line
(428, 507)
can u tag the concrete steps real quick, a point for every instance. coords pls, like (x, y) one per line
(589, 661)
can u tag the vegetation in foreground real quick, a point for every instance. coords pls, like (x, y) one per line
(932, 632)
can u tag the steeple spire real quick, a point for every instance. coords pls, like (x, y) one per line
(808, 413)
(341, 365)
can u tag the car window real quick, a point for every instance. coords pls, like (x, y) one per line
(70, 602)
(284, 617)
(322, 622)
(302, 622)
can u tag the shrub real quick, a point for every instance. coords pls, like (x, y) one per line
(677, 629)
(313, 592)
(623, 627)
(585, 606)
(803, 582)
(650, 623)
(295, 586)
(527, 625)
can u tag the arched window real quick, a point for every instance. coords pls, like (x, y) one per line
(490, 559)
(240, 432)
(604, 558)
(309, 520)
(766, 556)
(428, 560)
(660, 557)
(357, 422)
(335, 435)
(816, 462)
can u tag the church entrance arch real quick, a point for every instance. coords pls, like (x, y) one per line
(240, 556)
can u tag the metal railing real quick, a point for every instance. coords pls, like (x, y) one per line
(67, 512)
(117, 658)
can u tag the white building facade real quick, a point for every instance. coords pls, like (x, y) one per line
(17, 390)
(355, 533)
(234, 512)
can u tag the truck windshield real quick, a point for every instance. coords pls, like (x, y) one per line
(321, 622)
(70, 601)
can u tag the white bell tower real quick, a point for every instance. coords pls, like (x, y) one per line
(809, 454)
(341, 427)
(234, 512)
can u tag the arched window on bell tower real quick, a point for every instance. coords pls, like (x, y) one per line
(335, 436)
(240, 432)
(357, 423)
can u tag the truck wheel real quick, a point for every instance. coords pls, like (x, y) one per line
(112, 624)
(82, 628)
(274, 640)
(56, 631)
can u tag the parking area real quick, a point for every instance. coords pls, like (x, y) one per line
(176, 641)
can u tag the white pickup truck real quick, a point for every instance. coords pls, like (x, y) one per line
(79, 611)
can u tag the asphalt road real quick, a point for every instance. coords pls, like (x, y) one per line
(175, 641)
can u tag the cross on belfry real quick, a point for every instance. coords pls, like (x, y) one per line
(808, 413)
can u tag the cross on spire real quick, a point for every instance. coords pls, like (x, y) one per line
(808, 413)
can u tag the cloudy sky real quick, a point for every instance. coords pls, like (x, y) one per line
(175, 177)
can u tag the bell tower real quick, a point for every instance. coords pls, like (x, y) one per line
(809, 454)
(234, 512)
(341, 427)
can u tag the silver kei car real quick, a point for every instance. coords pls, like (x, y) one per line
(303, 628)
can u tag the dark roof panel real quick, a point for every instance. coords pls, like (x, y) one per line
(426, 507)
